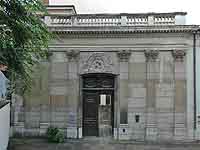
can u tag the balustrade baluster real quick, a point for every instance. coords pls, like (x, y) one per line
(112, 20)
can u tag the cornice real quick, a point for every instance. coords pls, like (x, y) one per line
(124, 29)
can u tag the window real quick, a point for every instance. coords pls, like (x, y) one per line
(137, 118)
(105, 100)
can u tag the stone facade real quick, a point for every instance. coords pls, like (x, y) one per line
(153, 96)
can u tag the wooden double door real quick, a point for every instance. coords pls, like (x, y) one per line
(98, 107)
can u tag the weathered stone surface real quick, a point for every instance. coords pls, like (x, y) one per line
(150, 81)
(71, 132)
(124, 132)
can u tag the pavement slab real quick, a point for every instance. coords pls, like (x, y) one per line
(96, 144)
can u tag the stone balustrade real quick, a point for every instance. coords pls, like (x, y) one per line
(148, 19)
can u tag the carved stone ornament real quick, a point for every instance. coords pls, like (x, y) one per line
(124, 55)
(72, 55)
(178, 55)
(97, 62)
(151, 55)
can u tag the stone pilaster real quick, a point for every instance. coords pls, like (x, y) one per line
(58, 83)
(152, 63)
(43, 128)
(123, 56)
(180, 94)
(73, 124)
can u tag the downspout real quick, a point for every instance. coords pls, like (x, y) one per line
(194, 80)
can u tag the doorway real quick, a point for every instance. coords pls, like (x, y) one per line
(98, 105)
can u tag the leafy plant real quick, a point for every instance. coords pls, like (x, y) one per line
(59, 137)
(24, 39)
(55, 135)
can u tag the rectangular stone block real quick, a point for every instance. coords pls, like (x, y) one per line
(138, 134)
(153, 76)
(165, 135)
(80, 131)
(136, 102)
(136, 109)
(138, 57)
(61, 124)
(33, 132)
(164, 102)
(180, 67)
(115, 133)
(180, 118)
(197, 133)
(58, 71)
(138, 77)
(72, 67)
(59, 90)
(132, 119)
(151, 133)
(137, 67)
(58, 57)
(73, 75)
(165, 90)
(123, 75)
(123, 67)
(43, 128)
(19, 128)
(124, 132)
(58, 82)
(138, 92)
(180, 76)
(72, 132)
(179, 133)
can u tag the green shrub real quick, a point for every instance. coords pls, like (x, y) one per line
(59, 137)
(55, 135)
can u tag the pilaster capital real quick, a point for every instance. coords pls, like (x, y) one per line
(151, 55)
(72, 55)
(124, 55)
(178, 55)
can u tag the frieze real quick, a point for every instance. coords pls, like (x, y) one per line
(151, 55)
(97, 62)
(144, 29)
(124, 55)
(178, 54)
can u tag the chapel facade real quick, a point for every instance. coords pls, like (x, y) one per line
(120, 76)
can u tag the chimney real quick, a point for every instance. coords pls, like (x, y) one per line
(45, 2)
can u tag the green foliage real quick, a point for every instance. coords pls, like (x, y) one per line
(24, 39)
(55, 135)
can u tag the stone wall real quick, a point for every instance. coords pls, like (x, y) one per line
(151, 92)
(156, 96)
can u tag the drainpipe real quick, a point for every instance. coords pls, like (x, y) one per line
(194, 80)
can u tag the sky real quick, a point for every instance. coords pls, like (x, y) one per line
(192, 7)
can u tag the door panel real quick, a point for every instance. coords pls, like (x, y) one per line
(90, 114)
(105, 113)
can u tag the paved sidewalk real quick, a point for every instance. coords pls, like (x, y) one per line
(101, 144)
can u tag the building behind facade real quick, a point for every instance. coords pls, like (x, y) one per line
(122, 76)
